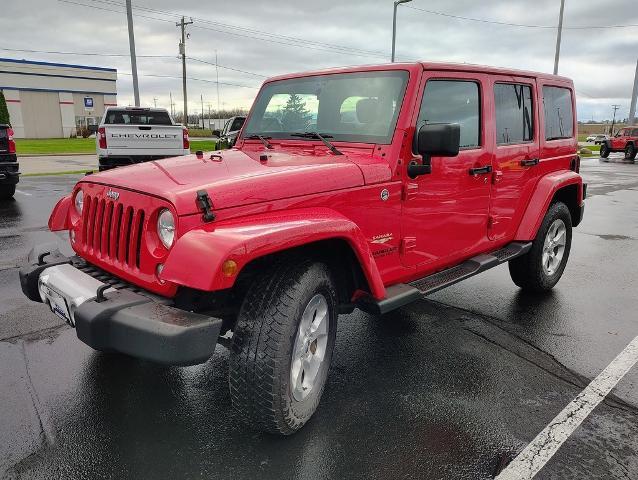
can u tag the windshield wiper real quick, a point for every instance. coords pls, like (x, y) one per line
(321, 137)
(263, 140)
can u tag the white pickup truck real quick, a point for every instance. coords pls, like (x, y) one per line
(128, 135)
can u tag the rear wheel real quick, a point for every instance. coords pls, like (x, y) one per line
(604, 150)
(282, 346)
(541, 268)
(7, 191)
(630, 151)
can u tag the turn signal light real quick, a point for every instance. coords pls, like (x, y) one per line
(12, 143)
(229, 268)
(101, 135)
(187, 143)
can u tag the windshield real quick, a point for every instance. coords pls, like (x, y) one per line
(349, 107)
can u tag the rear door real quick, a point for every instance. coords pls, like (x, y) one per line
(445, 212)
(516, 155)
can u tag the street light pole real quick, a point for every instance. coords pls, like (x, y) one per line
(558, 36)
(131, 43)
(632, 108)
(394, 24)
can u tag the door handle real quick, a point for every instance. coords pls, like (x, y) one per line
(480, 170)
(529, 163)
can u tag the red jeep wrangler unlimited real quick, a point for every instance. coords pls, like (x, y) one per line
(363, 187)
(625, 140)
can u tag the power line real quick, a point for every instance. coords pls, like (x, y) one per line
(249, 33)
(524, 25)
(228, 26)
(189, 78)
(93, 54)
(226, 68)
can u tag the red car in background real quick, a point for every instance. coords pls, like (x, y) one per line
(625, 140)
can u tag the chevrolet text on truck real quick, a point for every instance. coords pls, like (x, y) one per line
(133, 135)
(363, 187)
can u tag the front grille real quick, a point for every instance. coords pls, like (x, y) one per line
(112, 231)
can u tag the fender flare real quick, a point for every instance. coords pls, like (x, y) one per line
(545, 190)
(59, 219)
(196, 259)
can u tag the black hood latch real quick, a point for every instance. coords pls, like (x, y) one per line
(204, 202)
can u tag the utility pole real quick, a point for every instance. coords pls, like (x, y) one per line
(613, 122)
(558, 35)
(131, 42)
(201, 99)
(172, 105)
(632, 109)
(217, 72)
(394, 24)
(155, 102)
(182, 51)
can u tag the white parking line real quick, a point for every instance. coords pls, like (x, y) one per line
(24, 193)
(546, 444)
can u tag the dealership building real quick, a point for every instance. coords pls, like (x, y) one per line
(52, 100)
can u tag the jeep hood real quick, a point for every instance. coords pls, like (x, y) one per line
(233, 177)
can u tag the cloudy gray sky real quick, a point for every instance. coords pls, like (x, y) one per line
(255, 39)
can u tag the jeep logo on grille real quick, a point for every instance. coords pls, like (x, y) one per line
(112, 194)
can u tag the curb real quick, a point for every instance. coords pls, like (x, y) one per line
(21, 155)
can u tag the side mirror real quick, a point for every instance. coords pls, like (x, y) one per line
(438, 140)
(216, 133)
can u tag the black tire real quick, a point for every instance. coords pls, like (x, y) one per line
(7, 191)
(604, 150)
(630, 151)
(527, 271)
(263, 340)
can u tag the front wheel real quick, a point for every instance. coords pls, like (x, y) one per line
(541, 268)
(604, 150)
(282, 346)
(630, 152)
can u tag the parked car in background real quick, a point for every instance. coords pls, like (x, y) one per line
(625, 140)
(597, 138)
(133, 135)
(228, 135)
(441, 172)
(9, 168)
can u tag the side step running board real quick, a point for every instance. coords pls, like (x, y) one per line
(401, 294)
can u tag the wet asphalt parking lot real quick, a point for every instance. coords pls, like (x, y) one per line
(450, 387)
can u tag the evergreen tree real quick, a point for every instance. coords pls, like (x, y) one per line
(294, 114)
(4, 111)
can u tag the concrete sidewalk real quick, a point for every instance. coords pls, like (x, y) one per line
(30, 165)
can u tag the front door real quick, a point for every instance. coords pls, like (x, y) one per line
(445, 212)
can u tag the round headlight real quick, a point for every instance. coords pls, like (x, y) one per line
(166, 227)
(79, 201)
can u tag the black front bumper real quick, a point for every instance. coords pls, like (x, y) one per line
(130, 322)
(9, 169)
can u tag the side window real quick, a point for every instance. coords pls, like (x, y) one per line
(453, 101)
(634, 133)
(514, 113)
(557, 103)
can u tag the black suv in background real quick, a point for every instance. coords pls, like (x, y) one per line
(9, 174)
